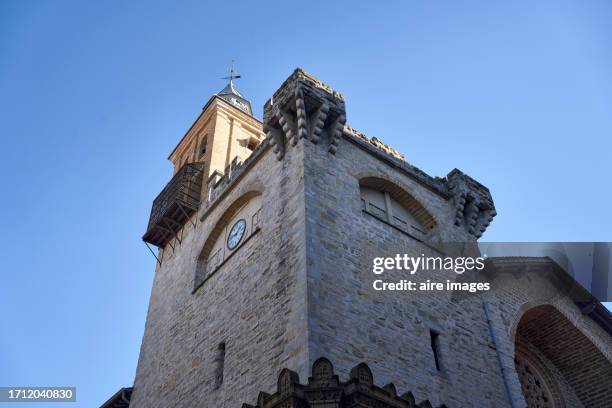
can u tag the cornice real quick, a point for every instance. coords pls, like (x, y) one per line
(256, 123)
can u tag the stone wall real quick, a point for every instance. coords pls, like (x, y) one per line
(349, 322)
(255, 303)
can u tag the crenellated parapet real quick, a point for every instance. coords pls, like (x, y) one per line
(324, 389)
(304, 108)
(374, 141)
(473, 203)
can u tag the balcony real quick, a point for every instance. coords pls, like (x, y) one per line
(175, 205)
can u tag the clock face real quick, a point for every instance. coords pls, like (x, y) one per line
(241, 105)
(236, 234)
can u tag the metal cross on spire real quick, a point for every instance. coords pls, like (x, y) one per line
(233, 74)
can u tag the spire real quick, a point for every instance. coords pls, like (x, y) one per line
(231, 94)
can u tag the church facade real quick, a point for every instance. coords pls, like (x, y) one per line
(263, 289)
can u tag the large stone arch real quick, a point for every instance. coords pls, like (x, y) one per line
(525, 307)
(402, 196)
(557, 364)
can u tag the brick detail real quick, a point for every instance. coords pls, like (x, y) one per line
(582, 365)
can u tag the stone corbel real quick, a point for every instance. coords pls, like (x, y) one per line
(304, 108)
(318, 122)
(287, 126)
(336, 131)
(473, 203)
(302, 120)
(277, 141)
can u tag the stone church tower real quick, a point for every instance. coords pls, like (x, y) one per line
(266, 235)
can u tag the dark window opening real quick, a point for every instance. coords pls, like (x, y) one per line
(203, 146)
(435, 346)
(219, 363)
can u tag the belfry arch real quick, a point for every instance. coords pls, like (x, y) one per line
(559, 366)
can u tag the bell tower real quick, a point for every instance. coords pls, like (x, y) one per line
(225, 129)
(224, 135)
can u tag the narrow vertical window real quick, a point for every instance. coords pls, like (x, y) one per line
(203, 146)
(435, 347)
(219, 363)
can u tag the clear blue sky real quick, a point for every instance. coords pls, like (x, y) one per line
(94, 95)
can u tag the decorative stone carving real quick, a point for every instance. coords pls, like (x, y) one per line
(362, 374)
(304, 108)
(390, 388)
(286, 381)
(323, 374)
(535, 388)
(324, 390)
(474, 208)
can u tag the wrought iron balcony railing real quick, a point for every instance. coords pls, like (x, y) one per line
(175, 205)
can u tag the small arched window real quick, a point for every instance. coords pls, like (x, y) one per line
(239, 222)
(392, 204)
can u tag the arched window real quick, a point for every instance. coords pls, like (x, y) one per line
(394, 205)
(239, 222)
